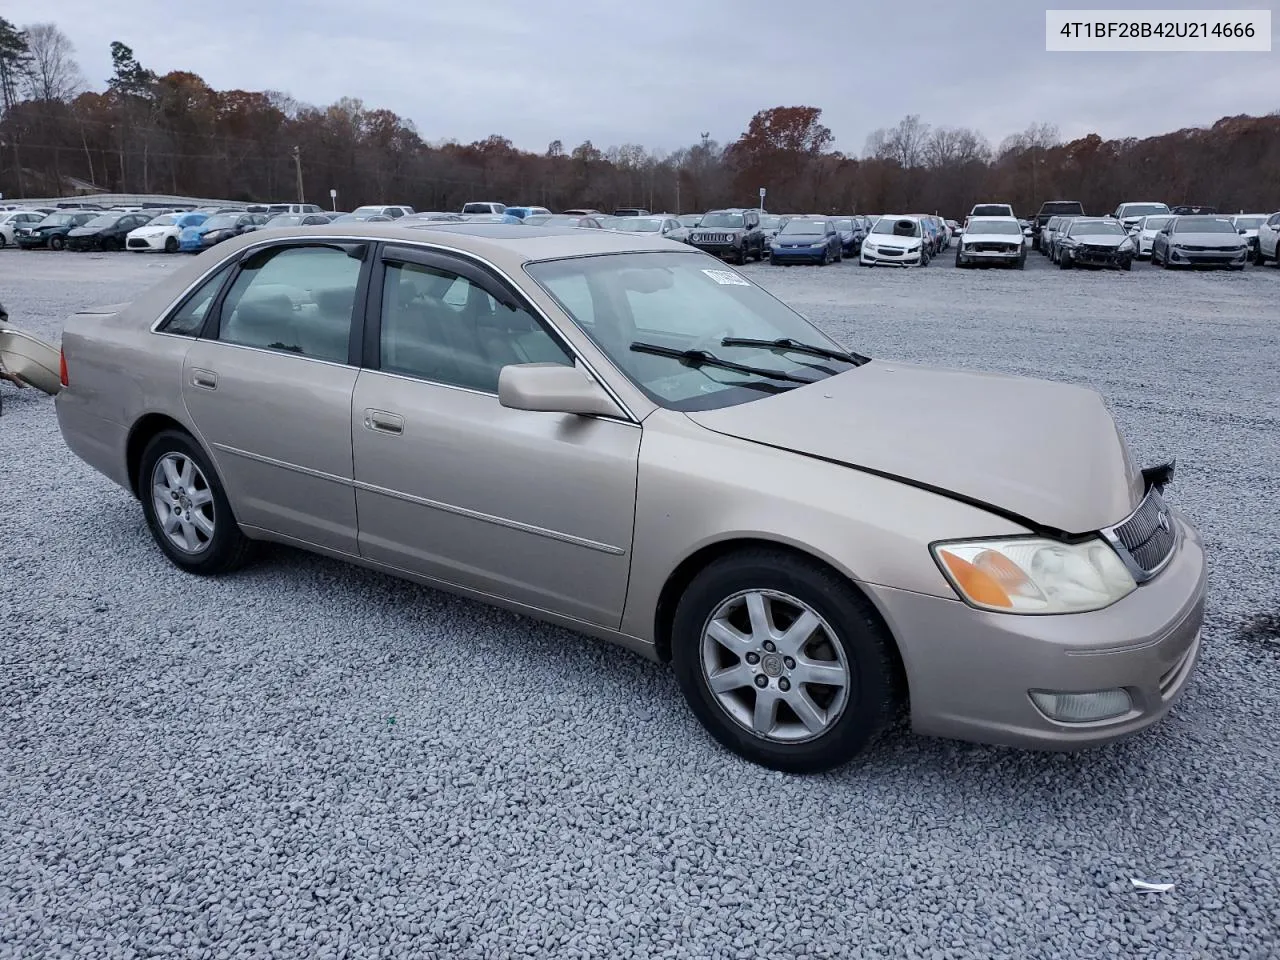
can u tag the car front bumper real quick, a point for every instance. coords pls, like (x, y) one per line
(83, 243)
(1096, 258)
(877, 257)
(1208, 258)
(32, 241)
(1007, 257)
(145, 244)
(798, 254)
(970, 672)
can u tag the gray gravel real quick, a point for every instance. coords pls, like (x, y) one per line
(309, 760)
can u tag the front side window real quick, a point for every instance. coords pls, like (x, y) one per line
(440, 326)
(679, 302)
(296, 299)
(187, 320)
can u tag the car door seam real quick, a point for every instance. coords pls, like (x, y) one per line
(434, 504)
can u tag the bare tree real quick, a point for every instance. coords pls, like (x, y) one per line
(955, 146)
(904, 143)
(52, 72)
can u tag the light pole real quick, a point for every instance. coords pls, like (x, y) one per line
(297, 163)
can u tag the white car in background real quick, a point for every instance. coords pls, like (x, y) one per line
(163, 233)
(1269, 240)
(992, 240)
(10, 220)
(1143, 233)
(1130, 213)
(1248, 225)
(895, 241)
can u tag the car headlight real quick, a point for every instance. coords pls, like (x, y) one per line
(913, 248)
(1034, 575)
(1126, 246)
(868, 246)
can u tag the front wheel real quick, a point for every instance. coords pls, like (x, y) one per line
(186, 507)
(171, 245)
(110, 245)
(783, 661)
(57, 243)
(1064, 260)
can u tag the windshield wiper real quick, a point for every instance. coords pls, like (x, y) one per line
(700, 358)
(787, 345)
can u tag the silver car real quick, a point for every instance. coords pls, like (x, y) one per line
(1199, 241)
(622, 435)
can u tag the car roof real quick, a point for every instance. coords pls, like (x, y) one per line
(503, 244)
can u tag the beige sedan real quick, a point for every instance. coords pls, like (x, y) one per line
(624, 436)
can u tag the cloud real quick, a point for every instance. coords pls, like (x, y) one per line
(661, 73)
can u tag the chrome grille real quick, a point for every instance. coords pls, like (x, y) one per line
(994, 247)
(715, 238)
(1147, 537)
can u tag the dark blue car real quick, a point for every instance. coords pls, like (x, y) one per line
(807, 240)
(851, 235)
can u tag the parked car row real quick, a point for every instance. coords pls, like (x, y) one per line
(1170, 240)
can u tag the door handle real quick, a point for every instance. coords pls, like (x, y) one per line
(205, 379)
(383, 422)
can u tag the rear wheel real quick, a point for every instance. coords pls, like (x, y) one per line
(783, 661)
(186, 508)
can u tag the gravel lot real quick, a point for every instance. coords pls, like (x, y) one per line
(310, 760)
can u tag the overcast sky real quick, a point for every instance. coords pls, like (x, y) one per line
(661, 72)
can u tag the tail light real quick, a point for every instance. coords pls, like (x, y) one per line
(62, 368)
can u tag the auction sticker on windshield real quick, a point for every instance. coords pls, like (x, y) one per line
(727, 277)
(1157, 31)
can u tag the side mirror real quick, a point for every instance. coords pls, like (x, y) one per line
(553, 388)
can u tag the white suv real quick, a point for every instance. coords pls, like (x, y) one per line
(1269, 240)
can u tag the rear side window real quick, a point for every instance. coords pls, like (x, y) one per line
(187, 320)
(297, 299)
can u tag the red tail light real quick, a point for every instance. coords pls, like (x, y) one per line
(62, 368)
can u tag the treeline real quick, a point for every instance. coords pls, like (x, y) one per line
(173, 133)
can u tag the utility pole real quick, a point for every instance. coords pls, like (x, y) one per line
(679, 209)
(297, 163)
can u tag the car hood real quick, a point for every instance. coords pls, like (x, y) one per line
(151, 231)
(889, 240)
(86, 231)
(973, 236)
(719, 230)
(1048, 454)
(1207, 239)
(1100, 239)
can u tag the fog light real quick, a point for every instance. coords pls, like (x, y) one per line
(1082, 707)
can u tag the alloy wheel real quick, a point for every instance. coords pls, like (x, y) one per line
(183, 502)
(774, 666)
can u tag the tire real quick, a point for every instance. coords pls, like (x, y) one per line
(826, 257)
(110, 245)
(3, 241)
(1022, 262)
(1064, 261)
(57, 243)
(840, 255)
(222, 551)
(960, 264)
(847, 636)
(1127, 265)
(772, 261)
(1164, 262)
(170, 244)
(924, 258)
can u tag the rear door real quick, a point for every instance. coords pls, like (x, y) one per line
(269, 384)
(529, 506)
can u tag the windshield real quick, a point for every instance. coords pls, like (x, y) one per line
(1096, 228)
(990, 210)
(106, 220)
(370, 211)
(286, 220)
(639, 225)
(1144, 209)
(844, 223)
(807, 228)
(722, 220)
(896, 228)
(770, 221)
(57, 220)
(164, 220)
(995, 226)
(690, 219)
(222, 221)
(1249, 223)
(1154, 223)
(1205, 225)
(675, 300)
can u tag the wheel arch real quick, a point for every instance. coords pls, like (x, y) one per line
(679, 579)
(140, 435)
